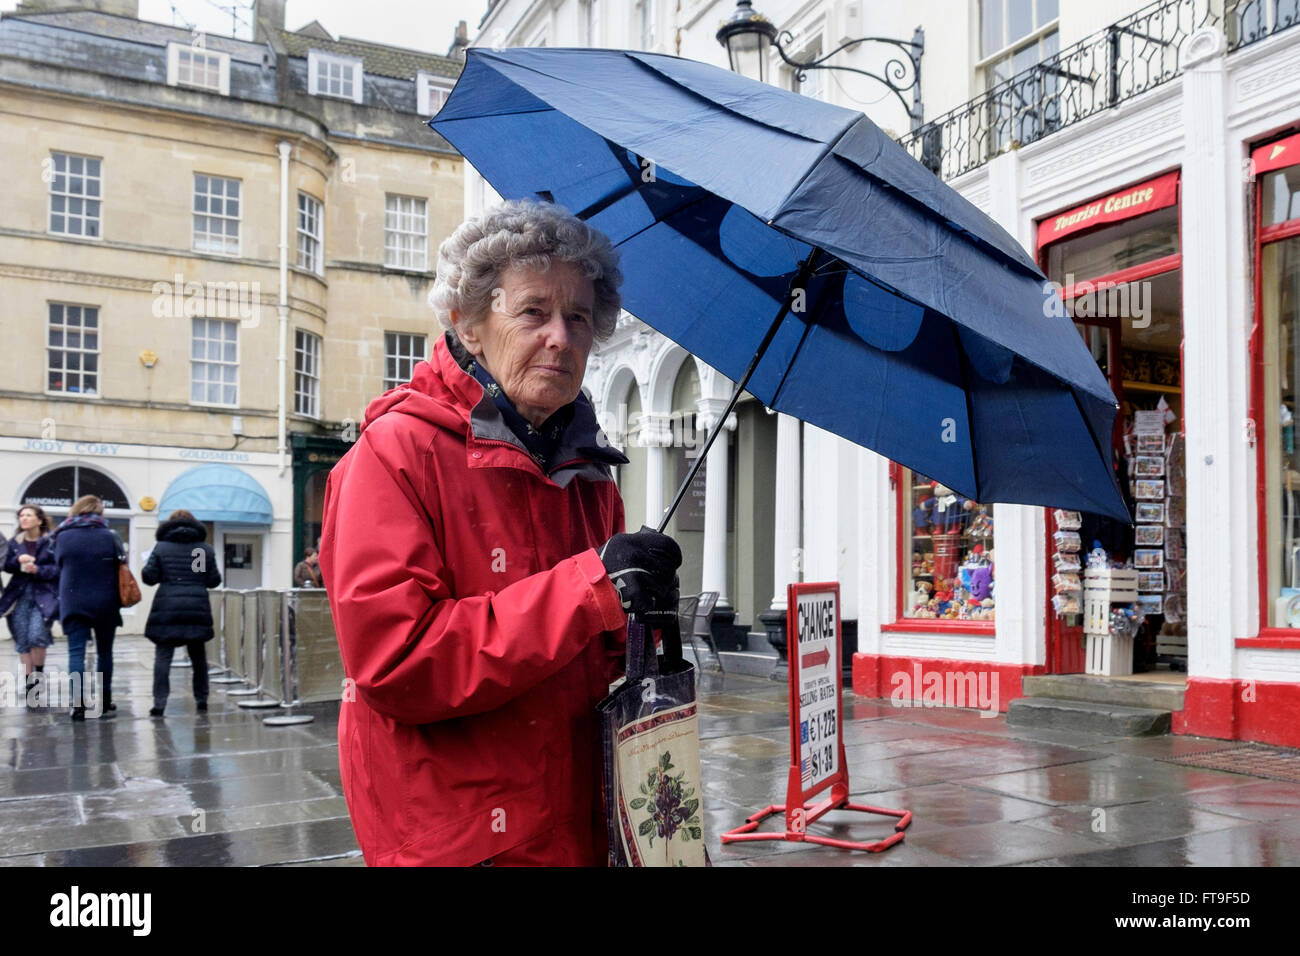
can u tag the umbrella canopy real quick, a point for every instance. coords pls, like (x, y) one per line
(925, 332)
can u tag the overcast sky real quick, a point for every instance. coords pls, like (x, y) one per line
(416, 24)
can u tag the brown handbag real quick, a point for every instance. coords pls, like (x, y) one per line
(127, 590)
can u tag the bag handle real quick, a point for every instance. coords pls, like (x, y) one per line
(642, 660)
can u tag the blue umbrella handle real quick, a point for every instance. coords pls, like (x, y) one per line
(800, 280)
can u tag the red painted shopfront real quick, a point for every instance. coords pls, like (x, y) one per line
(1117, 262)
(1268, 710)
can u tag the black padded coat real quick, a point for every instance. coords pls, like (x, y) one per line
(184, 566)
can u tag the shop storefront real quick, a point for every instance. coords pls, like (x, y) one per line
(313, 457)
(1117, 263)
(239, 496)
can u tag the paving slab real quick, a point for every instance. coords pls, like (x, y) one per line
(223, 789)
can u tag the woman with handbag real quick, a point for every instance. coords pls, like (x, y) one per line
(31, 598)
(88, 556)
(184, 566)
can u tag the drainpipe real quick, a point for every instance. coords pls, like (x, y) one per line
(282, 308)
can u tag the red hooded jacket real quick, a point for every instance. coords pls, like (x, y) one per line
(478, 625)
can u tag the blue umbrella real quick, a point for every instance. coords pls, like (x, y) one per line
(906, 320)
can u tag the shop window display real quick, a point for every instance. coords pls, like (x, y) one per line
(1279, 304)
(947, 554)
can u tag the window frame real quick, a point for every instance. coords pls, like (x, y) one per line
(173, 68)
(398, 356)
(208, 214)
(388, 263)
(1269, 635)
(97, 351)
(68, 196)
(425, 83)
(317, 237)
(319, 58)
(900, 622)
(1010, 49)
(314, 352)
(219, 362)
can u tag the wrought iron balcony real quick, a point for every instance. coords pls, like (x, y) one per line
(1127, 58)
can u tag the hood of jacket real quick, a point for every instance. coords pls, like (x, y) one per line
(443, 393)
(181, 530)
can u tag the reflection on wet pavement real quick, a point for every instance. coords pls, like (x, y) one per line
(223, 789)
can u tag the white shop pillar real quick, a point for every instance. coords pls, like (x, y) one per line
(1220, 518)
(655, 436)
(785, 546)
(716, 480)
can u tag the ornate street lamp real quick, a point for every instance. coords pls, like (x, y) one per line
(748, 36)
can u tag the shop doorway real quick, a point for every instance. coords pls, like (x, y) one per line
(241, 565)
(1122, 285)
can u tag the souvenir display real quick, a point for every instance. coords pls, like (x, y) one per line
(952, 559)
(1151, 581)
(1149, 489)
(1066, 561)
(1149, 467)
(1067, 520)
(1150, 511)
(1067, 541)
(1149, 535)
(1151, 445)
(1148, 559)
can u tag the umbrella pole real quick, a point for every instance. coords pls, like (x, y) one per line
(800, 280)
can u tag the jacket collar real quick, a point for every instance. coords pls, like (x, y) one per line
(584, 449)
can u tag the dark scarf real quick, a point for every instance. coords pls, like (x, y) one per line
(543, 442)
(82, 521)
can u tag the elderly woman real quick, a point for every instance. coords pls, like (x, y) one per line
(476, 569)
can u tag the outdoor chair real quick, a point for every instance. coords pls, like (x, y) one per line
(693, 614)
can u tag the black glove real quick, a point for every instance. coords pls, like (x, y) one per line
(643, 566)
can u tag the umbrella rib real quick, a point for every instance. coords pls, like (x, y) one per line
(970, 412)
(789, 367)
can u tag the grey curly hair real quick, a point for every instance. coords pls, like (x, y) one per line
(527, 234)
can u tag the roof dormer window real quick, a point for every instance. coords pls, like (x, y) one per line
(337, 76)
(431, 92)
(193, 65)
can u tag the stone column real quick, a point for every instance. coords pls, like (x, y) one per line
(786, 559)
(785, 566)
(716, 479)
(655, 437)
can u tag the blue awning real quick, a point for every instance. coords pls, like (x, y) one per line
(217, 493)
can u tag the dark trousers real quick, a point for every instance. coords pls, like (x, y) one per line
(78, 634)
(162, 665)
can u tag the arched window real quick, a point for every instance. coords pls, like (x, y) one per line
(58, 488)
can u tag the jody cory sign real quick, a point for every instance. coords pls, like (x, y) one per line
(1131, 201)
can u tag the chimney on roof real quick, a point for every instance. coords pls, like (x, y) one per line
(458, 46)
(268, 19)
(121, 8)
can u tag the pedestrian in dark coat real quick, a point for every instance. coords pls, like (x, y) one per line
(31, 598)
(88, 554)
(184, 566)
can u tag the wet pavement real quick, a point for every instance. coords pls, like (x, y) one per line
(222, 789)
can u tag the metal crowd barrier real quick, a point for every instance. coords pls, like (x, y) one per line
(225, 672)
(280, 644)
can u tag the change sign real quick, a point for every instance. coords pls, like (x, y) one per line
(816, 741)
(815, 676)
